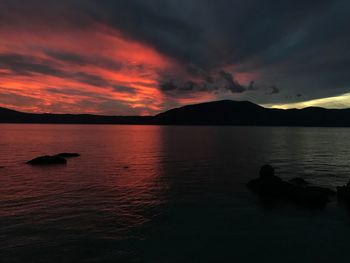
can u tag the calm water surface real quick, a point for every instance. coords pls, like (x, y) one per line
(167, 194)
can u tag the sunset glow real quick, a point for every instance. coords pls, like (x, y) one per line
(336, 102)
(92, 70)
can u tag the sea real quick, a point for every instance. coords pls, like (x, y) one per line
(168, 194)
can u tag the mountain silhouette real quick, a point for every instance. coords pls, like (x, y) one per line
(228, 112)
(225, 112)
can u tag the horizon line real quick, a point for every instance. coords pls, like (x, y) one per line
(287, 106)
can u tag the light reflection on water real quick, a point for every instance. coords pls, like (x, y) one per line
(142, 193)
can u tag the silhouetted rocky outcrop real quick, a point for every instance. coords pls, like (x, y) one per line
(270, 185)
(47, 160)
(68, 155)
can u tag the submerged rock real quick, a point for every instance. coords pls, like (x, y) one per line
(269, 185)
(343, 193)
(47, 160)
(299, 181)
(68, 155)
(313, 196)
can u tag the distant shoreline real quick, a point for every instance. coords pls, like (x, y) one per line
(217, 113)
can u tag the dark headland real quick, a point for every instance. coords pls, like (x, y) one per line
(225, 112)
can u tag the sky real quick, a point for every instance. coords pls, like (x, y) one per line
(142, 57)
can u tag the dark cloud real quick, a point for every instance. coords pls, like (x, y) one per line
(303, 44)
(231, 84)
(84, 60)
(274, 90)
(68, 57)
(168, 86)
(12, 98)
(124, 89)
(252, 86)
(28, 65)
(70, 92)
(210, 33)
(90, 79)
(219, 81)
(158, 23)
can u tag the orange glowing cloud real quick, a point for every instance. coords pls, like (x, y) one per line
(93, 70)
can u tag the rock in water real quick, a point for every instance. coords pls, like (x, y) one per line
(47, 160)
(269, 185)
(299, 181)
(313, 196)
(343, 193)
(68, 155)
(267, 172)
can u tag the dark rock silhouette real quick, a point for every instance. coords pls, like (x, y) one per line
(68, 155)
(267, 172)
(271, 186)
(299, 181)
(47, 160)
(343, 193)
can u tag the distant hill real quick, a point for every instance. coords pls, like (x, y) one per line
(224, 112)
(11, 116)
(229, 112)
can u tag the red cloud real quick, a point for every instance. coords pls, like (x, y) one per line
(88, 62)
